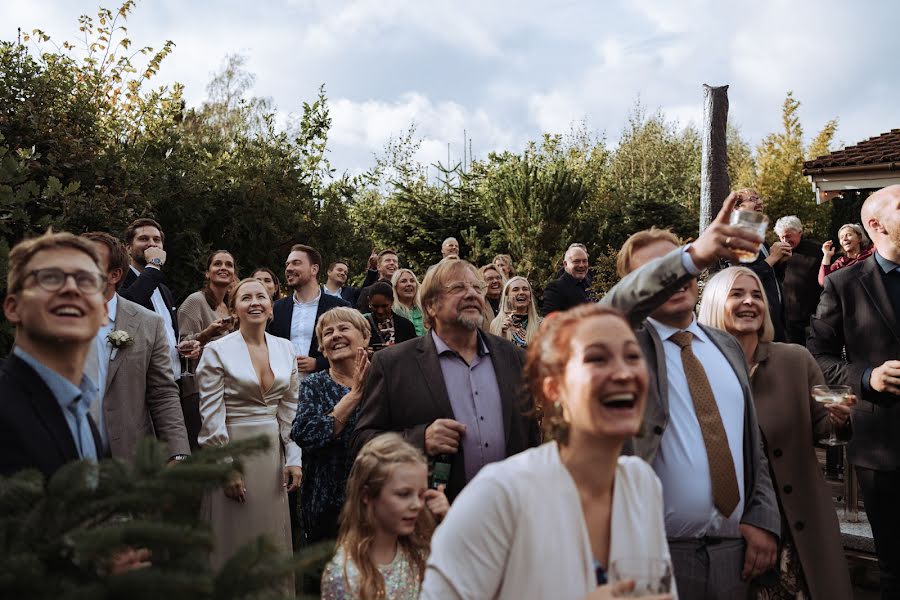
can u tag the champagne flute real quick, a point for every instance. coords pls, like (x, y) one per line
(831, 394)
(185, 346)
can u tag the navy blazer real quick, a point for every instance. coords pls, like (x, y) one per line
(283, 311)
(140, 289)
(33, 431)
(350, 294)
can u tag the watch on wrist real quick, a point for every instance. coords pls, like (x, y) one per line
(179, 457)
(156, 261)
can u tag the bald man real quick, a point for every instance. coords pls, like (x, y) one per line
(860, 309)
(450, 247)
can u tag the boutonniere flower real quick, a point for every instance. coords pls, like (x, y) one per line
(118, 339)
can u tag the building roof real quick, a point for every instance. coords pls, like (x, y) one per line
(882, 150)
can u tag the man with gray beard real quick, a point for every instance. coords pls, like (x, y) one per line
(457, 392)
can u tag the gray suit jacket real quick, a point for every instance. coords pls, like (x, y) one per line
(637, 295)
(855, 314)
(141, 396)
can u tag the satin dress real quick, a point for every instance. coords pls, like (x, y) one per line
(233, 407)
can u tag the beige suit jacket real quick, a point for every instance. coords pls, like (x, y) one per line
(141, 397)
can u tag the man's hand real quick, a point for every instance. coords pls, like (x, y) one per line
(721, 240)
(886, 377)
(235, 489)
(373, 261)
(762, 550)
(291, 478)
(306, 364)
(189, 349)
(778, 252)
(153, 252)
(442, 437)
(437, 502)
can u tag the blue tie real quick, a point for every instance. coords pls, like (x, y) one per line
(84, 439)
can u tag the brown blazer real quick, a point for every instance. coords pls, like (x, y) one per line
(141, 394)
(791, 421)
(405, 392)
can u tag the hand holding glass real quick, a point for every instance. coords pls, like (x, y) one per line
(756, 222)
(650, 575)
(187, 350)
(831, 394)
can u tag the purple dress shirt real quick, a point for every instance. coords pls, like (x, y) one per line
(475, 398)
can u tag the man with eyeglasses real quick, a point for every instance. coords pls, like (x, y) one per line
(457, 392)
(54, 298)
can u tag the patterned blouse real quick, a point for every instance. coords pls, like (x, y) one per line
(326, 461)
(400, 580)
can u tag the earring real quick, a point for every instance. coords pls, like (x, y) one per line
(558, 425)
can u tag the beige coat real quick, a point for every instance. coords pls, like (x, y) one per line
(791, 421)
(141, 396)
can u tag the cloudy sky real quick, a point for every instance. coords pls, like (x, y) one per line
(507, 71)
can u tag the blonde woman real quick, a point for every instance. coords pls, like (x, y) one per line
(406, 298)
(518, 319)
(504, 263)
(811, 557)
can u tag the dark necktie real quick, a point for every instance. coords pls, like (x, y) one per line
(726, 494)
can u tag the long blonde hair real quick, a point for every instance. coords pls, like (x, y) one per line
(371, 470)
(534, 319)
(398, 306)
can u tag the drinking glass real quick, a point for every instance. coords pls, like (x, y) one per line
(831, 394)
(753, 221)
(183, 351)
(650, 575)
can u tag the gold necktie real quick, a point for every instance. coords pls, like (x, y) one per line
(726, 494)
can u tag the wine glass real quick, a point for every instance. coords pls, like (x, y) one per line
(185, 347)
(650, 575)
(831, 394)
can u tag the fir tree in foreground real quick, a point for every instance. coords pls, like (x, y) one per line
(58, 538)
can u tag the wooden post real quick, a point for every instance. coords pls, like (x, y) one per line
(714, 183)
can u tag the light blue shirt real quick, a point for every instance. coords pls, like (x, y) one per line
(681, 463)
(74, 401)
(104, 354)
(303, 324)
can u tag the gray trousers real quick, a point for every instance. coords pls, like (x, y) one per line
(709, 568)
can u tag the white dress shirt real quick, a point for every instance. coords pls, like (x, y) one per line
(160, 308)
(103, 350)
(681, 462)
(303, 323)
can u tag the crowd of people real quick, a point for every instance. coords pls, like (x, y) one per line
(443, 427)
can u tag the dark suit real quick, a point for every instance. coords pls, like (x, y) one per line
(350, 294)
(139, 289)
(33, 431)
(801, 288)
(564, 293)
(403, 330)
(772, 279)
(283, 311)
(405, 392)
(856, 314)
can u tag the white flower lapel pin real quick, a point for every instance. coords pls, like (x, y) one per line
(118, 339)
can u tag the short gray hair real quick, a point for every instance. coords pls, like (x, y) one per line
(789, 222)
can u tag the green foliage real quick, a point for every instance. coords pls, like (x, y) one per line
(57, 539)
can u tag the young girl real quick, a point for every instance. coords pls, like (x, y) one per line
(385, 533)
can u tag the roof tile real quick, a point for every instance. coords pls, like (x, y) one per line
(882, 149)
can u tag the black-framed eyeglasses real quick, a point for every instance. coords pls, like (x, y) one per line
(53, 279)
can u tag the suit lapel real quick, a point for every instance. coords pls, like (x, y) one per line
(45, 407)
(430, 365)
(871, 281)
(125, 321)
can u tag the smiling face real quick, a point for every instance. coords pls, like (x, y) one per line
(387, 264)
(752, 203)
(341, 341)
(402, 498)
(298, 270)
(65, 316)
(603, 388)
(406, 288)
(450, 247)
(744, 307)
(678, 311)
(266, 279)
(494, 281)
(221, 269)
(576, 263)
(850, 241)
(338, 274)
(518, 295)
(252, 304)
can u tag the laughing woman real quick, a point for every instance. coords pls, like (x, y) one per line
(587, 371)
(248, 387)
(811, 555)
(518, 319)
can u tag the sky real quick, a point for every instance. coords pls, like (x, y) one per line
(505, 72)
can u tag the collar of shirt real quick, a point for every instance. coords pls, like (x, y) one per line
(667, 331)
(886, 265)
(310, 302)
(65, 392)
(336, 293)
(112, 308)
(442, 347)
